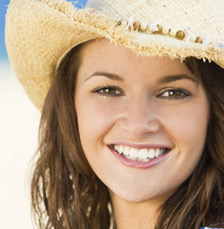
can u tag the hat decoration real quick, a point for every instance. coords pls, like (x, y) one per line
(154, 28)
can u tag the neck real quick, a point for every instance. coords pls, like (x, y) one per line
(134, 215)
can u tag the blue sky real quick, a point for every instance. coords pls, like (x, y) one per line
(3, 8)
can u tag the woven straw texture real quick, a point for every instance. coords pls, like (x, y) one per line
(40, 32)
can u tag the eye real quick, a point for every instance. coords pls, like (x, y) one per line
(108, 91)
(174, 93)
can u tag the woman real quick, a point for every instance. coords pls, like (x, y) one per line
(131, 135)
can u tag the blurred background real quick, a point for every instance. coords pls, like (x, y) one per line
(19, 121)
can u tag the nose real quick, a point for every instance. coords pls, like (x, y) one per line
(140, 117)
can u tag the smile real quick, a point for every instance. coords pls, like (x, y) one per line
(143, 155)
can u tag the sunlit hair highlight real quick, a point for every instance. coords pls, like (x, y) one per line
(66, 194)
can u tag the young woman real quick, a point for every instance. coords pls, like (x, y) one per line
(131, 135)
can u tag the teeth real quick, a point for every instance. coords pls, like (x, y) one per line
(143, 153)
(134, 153)
(128, 157)
(157, 152)
(146, 160)
(121, 148)
(125, 151)
(151, 153)
(162, 152)
(140, 155)
(117, 148)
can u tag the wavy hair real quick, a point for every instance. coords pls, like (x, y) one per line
(66, 194)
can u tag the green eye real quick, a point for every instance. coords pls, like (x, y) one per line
(175, 94)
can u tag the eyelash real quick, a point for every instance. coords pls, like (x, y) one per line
(112, 91)
(102, 91)
(184, 93)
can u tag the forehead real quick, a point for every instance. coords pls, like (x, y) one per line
(103, 55)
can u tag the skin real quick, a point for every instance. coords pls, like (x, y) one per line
(139, 108)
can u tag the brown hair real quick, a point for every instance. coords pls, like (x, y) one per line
(67, 194)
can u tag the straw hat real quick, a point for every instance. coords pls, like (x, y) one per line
(40, 32)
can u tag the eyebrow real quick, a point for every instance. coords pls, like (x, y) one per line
(111, 76)
(172, 78)
(165, 79)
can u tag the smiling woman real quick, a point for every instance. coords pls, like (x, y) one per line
(140, 112)
(132, 118)
(142, 124)
(138, 125)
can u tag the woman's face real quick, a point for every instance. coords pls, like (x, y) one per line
(142, 120)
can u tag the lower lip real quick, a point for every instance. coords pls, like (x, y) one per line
(139, 164)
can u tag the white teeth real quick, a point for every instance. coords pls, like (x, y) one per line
(126, 151)
(140, 155)
(130, 158)
(134, 153)
(143, 153)
(151, 153)
(146, 160)
(117, 148)
(157, 152)
(121, 148)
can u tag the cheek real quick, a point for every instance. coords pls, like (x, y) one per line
(187, 125)
(191, 122)
(94, 120)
